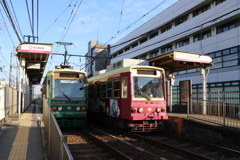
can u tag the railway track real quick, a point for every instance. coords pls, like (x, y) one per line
(86, 146)
(182, 147)
(119, 144)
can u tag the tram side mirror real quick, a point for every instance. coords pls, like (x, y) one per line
(81, 88)
(85, 85)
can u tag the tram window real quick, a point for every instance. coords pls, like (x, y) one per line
(116, 88)
(98, 90)
(103, 90)
(48, 88)
(124, 87)
(109, 89)
(91, 91)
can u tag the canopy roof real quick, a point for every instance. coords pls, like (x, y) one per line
(33, 57)
(175, 61)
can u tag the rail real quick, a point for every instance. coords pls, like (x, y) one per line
(222, 113)
(57, 142)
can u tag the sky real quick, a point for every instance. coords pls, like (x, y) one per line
(73, 21)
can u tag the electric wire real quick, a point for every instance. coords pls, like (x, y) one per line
(56, 20)
(7, 28)
(173, 36)
(4, 5)
(125, 28)
(121, 16)
(16, 20)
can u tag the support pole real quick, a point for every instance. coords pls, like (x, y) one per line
(19, 90)
(202, 72)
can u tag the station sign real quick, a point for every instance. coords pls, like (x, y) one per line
(190, 57)
(35, 48)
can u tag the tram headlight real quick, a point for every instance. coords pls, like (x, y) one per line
(59, 108)
(134, 110)
(78, 108)
(162, 109)
(54, 108)
(140, 110)
(83, 108)
(158, 109)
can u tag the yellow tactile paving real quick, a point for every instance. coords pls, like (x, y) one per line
(20, 145)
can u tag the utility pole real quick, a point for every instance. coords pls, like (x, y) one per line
(10, 74)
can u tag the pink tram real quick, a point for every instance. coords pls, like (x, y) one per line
(129, 96)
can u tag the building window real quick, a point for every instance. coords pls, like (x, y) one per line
(143, 40)
(134, 45)
(166, 49)
(120, 52)
(228, 26)
(201, 36)
(126, 49)
(166, 28)
(225, 58)
(181, 20)
(201, 10)
(143, 57)
(182, 43)
(219, 1)
(153, 35)
(153, 53)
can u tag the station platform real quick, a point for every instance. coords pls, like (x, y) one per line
(22, 138)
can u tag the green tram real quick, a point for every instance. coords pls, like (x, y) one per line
(67, 96)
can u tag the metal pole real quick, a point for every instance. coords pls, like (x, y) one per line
(10, 74)
(202, 72)
(19, 91)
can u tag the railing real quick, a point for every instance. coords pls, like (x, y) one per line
(220, 96)
(222, 113)
(57, 142)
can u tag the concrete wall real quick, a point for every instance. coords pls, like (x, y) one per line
(206, 132)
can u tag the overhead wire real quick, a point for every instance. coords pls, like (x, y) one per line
(16, 20)
(70, 20)
(174, 36)
(13, 45)
(121, 16)
(126, 28)
(119, 32)
(4, 5)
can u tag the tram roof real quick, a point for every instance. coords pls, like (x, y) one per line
(33, 57)
(113, 73)
(175, 61)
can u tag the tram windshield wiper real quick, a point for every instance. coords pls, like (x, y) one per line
(65, 95)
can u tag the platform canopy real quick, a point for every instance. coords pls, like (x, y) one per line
(176, 61)
(33, 57)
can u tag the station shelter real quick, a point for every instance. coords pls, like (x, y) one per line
(176, 61)
(32, 58)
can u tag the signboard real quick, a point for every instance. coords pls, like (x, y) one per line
(189, 57)
(33, 65)
(185, 90)
(35, 48)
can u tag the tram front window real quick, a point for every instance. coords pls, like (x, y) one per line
(68, 88)
(147, 87)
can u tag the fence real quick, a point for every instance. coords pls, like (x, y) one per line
(8, 103)
(219, 112)
(57, 142)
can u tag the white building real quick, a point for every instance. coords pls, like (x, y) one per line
(209, 27)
